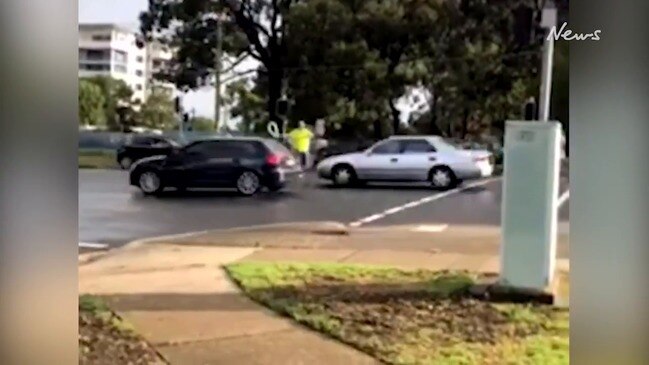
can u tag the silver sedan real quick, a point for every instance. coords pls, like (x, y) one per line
(409, 159)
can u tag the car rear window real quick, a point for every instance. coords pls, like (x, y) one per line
(277, 147)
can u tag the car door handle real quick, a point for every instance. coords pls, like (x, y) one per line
(394, 159)
(432, 159)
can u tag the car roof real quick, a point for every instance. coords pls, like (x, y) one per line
(416, 137)
(230, 138)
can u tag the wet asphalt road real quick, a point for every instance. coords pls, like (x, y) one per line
(111, 212)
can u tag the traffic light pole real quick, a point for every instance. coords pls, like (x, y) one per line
(546, 78)
(217, 73)
(548, 21)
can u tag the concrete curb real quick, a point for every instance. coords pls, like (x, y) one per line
(316, 227)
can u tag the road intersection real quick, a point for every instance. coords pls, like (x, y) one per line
(111, 213)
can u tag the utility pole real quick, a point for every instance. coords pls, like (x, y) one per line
(548, 21)
(217, 72)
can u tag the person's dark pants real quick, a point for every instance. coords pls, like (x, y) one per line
(303, 160)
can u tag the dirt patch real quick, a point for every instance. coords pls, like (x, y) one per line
(422, 318)
(105, 340)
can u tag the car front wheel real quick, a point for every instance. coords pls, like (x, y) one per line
(150, 182)
(343, 175)
(125, 163)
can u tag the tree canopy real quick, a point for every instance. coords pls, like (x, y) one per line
(352, 61)
(91, 104)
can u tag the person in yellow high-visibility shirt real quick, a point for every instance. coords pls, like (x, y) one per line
(300, 138)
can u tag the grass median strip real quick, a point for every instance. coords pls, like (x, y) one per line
(104, 338)
(408, 317)
(97, 159)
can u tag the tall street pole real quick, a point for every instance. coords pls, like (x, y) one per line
(548, 21)
(217, 73)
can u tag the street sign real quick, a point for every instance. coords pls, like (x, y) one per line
(529, 204)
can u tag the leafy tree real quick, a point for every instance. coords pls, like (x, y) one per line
(158, 110)
(253, 28)
(91, 104)
(202, 124)
(479, 75)
(249, 105)
(116, 94)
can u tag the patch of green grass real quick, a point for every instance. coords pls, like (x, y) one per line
(97, 159)
(97, 308)
(340, 300)
(254, 275)
(92, 304)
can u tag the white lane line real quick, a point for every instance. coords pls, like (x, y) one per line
(419, 202)
(92, 245)
(563, 198)
(434, 228)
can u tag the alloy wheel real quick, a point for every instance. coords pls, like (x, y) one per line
(125, 163)
(342, 176)
(248, 183)
(149, 182)
(441, 178)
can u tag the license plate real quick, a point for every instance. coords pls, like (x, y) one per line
(290, 162)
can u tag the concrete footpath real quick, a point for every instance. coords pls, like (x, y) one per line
(176, 294)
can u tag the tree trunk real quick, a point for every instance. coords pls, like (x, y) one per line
(396, 120)
(434, 127)
(378, 130)
(465, 123)
(275, 80)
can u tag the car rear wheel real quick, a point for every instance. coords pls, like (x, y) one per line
(442, 178)
(125, 163)
(150, 182)
(343, 175)
(248, 183)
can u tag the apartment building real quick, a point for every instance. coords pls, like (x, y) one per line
(158, 58)
(116, 51)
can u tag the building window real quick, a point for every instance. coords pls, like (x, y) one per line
(139, 73)
(101, 37)
(121, 68)
(94, 54)
(120, 56)
(138, 87)
(156, 63)
(94, 66)
(139, 59)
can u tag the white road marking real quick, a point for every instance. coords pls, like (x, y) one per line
(435, 228)
(563, 198)
(419, 202)
(92, 245)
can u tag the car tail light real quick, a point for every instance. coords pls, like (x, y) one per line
(274, 159)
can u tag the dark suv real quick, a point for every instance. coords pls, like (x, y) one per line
(144, 146)
(246, 164)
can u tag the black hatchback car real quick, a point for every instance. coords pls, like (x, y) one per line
(247, 164)
(142, 147)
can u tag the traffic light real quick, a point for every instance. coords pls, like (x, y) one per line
(523, 25)
(529, 109)
(282, 107)
(177, 106)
